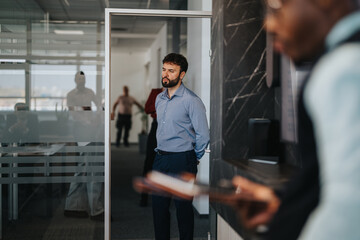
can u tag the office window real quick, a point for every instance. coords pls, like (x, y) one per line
(12, 88)
(51, 84)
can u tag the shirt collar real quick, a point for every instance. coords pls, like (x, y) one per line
(343, 30)
(179, 92)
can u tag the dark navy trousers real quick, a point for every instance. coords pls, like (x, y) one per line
(174, 163)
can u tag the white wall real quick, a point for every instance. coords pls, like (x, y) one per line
(155, 60)
(128, 68)
(198, 79)
(154, 57)
(224, 231)
(139, 69)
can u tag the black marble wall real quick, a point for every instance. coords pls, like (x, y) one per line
(238, 88)
(245, 94)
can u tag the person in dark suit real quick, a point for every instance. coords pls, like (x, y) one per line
(321, 200)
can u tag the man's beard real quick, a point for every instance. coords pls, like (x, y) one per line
(171, 83)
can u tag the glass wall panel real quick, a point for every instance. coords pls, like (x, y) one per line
(51, 130)
(51, 127)
(137, 51)
(12, 83)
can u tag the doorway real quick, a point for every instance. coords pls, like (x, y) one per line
(133, 58)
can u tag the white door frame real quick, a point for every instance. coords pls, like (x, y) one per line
(126, 12)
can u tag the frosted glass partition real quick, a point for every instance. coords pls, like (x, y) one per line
(51, 129)
(61, 127)
(134, 59)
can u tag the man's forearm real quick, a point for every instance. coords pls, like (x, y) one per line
(114, 107)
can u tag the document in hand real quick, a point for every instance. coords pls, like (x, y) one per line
(185, 187)
(160, 183)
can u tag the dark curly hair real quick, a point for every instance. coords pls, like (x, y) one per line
(176, 59)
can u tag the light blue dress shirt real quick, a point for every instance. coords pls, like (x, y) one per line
(332, 98)
(182, 124)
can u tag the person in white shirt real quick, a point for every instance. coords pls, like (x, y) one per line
(85, 197)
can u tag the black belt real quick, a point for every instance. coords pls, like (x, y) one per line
(164, 152)
(168, 153)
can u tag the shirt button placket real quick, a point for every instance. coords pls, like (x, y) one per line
(167, 102)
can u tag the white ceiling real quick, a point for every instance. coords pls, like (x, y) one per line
(79, 10)
(93, 10)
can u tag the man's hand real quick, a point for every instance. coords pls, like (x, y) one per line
(112, 116)
(251, 214)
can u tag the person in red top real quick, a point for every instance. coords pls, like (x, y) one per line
(151, 142)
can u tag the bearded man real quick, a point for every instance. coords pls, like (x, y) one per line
(182, 137)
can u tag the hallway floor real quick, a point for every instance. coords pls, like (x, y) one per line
(130, 221)
(41, 216)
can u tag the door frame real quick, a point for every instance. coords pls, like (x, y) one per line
(126, 12)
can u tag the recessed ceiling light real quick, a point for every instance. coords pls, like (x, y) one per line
(13, 60)
(69, 32)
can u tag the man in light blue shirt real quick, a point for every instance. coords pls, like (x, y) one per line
(332, 98)
(182, 137)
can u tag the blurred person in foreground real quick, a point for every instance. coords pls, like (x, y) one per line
(322, 201)
(124, 103)
(182, 137)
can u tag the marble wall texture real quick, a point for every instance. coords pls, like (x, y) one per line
(238, 88)
(239, 92)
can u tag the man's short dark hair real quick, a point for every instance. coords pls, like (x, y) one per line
(176, 59)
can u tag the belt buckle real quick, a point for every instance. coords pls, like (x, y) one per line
(162, 152)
